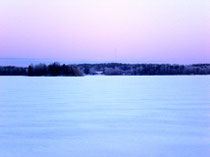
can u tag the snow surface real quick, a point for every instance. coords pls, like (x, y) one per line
(105, 116)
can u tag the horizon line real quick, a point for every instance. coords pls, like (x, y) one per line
(49, 61)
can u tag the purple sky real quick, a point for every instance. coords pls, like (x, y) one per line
(75, 31)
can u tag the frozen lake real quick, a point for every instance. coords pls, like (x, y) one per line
(105, 116)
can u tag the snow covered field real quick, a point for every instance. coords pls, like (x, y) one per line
(105, 116)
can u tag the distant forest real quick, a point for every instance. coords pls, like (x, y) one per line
(57, 69)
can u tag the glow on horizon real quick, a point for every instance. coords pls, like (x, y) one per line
(173, 31)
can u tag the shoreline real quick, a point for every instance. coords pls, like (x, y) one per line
(106, 69)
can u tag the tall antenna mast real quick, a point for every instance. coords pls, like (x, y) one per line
(115, 52)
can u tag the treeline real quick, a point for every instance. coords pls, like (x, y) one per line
(57, 69)
(54, 69)
(144, 69)
(12, 70)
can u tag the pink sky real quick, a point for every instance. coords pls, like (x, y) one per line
(172, 31)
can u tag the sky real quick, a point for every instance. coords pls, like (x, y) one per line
(93, 31)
